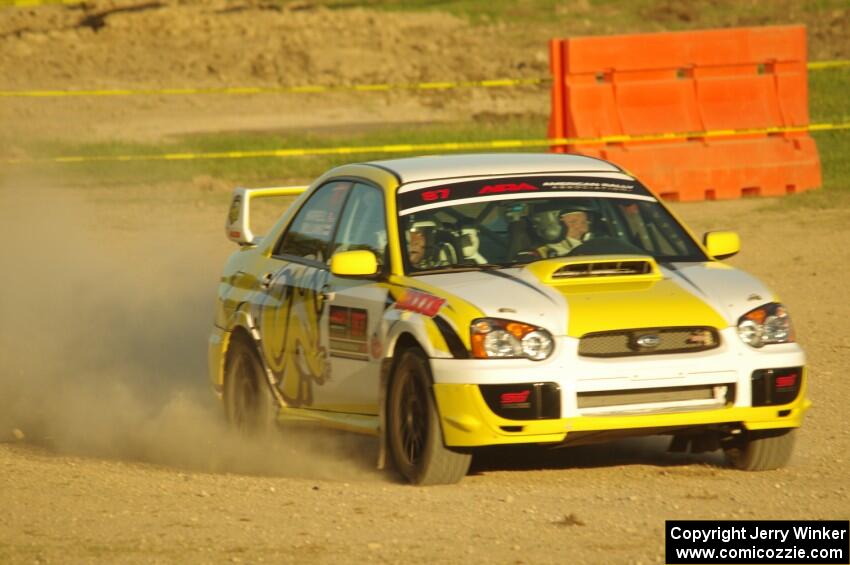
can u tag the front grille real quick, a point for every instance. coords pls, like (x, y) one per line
(656, 400)
(646, 396)
(648, 341)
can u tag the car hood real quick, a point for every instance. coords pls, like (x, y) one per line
(680, 294)
(730, 291)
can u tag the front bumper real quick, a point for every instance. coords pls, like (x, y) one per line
(468, 420)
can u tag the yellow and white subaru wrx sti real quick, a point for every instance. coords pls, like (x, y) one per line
(451, 302)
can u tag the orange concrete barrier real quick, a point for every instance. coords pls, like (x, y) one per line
(693, 81)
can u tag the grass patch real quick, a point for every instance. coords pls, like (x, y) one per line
(261, 170)
(828, 103)
(594, 17)
(834, 147)
(828, 89)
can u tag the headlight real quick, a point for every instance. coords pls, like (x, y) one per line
(494, 338)
(766, 324)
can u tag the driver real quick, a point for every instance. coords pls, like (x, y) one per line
(423, 249)
(576, 231)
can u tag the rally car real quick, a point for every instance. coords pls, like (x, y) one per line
(446, 303)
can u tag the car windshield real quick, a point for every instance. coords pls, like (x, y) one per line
(490, 223)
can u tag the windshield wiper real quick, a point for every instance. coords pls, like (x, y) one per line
(460, 268)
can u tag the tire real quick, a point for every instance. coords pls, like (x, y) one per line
(414, 436)
(248, 403)
(760, 451)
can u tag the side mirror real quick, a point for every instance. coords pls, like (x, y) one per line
(359, 263)
(722, 244)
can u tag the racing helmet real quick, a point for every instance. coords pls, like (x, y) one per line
(546, 223)
(420, 237)
(426, 227)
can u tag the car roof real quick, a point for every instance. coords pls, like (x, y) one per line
(433, 167)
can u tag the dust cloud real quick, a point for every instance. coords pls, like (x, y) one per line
(103, 345)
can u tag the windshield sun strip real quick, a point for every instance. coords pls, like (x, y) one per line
(413, 186)
(522, 196)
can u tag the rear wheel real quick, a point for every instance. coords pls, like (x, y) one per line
(414, 434)
(248, 402)
(761, 450)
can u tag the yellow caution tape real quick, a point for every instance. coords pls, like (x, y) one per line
(314, 89)
(820, 65)
(303, 89)
(25, 3)
(429, 147)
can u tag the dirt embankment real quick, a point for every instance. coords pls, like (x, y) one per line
(250, 44)
(108, 44)
(216, 44)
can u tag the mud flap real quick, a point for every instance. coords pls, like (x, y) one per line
(255, 335)
(386, 367)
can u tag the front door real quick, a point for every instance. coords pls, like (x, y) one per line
(354, 313)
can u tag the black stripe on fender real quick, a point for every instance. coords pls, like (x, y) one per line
(456, 347)
(681, 275)
(510, 277)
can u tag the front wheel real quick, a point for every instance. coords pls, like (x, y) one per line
(414, 434)
(760, 451)
(248, 402)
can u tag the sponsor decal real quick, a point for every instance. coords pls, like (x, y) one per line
(233, 213)
(786, 381)
(347, 330)
(592, 185)
(338, 321)
(376, 348)
(358, 323)
(701, 337)
(515, 399)
(419, 302)
(288, 320)
(339, 192)
(318, 223)
(538, 186)
(507, 187)
(436, 194)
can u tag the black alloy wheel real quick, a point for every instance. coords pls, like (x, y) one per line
(414, 433)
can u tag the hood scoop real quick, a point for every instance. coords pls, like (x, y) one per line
(596, 269)
(603, 269)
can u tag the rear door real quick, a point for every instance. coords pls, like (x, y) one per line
(292, 301)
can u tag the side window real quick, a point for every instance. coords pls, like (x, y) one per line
(363, 224)
(662, 232)
(310, 232)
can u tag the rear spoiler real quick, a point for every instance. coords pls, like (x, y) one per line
(238, 223)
